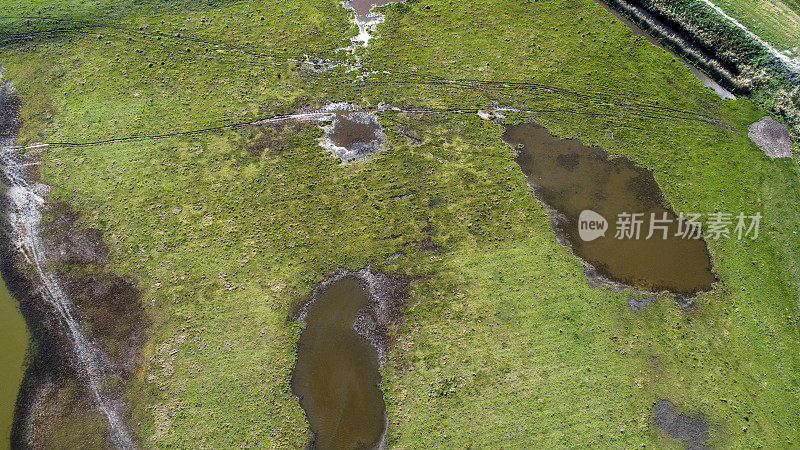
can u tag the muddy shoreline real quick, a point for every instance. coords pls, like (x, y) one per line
(42, 360)
(98, 300)
(45, 352)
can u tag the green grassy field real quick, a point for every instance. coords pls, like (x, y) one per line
(777, 21)
(503, 340)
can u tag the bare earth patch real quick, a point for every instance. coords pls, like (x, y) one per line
(772, 137)
(692, 430)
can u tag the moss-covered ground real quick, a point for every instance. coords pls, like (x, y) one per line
(503, 340)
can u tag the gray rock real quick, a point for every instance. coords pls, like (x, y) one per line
(772, 137)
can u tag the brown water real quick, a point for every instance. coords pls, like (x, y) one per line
(353, 134)
(570, 177)
(336, 375)
(14, 340)
(362, 8)
(349, 133)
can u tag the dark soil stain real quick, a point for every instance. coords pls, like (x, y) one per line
(638, 303)
(692, 430)
(109, 305)
(66, 244)
(569, 177)
(426, 244)
(277, 137)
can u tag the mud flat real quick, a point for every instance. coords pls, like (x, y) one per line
(568, 178)
(346, 323)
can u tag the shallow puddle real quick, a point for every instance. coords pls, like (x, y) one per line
(336, 376)
(569, 177)
(362, 8)
(353, 134)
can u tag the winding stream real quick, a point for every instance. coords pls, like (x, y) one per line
(637, 31)
(793, 64)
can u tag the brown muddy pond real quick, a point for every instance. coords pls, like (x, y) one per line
(353, 135)
(336, 376)
(350, 134)
(362, 8)
(569, 177)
